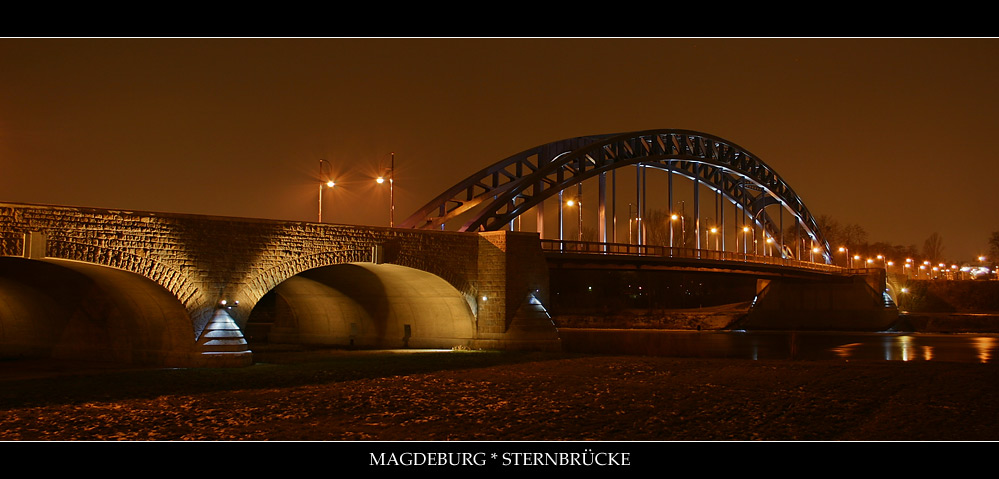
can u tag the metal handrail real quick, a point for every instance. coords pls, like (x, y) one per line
(592, 247)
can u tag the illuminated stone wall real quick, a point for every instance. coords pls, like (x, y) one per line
(204, 259)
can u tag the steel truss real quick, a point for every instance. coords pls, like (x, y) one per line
(511, 187)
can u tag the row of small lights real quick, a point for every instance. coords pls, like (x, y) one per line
(909, 263)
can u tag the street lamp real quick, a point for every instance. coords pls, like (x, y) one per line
(672, 218)
(328, 183)
(849, 259)
(579, 227)
(745, 242)
(390, 173)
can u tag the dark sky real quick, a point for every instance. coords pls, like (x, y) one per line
(893, 134)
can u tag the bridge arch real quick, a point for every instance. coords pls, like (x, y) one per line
(365, 305)
(493, 197)
(55, 308)
(265, 282)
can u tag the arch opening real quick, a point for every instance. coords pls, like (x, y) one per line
(64, 309)
(364, 305)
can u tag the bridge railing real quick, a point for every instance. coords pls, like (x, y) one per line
(591, 247)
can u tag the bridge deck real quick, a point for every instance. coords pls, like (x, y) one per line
(687, 257)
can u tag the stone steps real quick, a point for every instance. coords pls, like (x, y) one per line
(222, 343)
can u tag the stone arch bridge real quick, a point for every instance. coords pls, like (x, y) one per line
(179, 289)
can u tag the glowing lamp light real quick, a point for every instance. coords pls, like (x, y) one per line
(570, 203)
(676, 217)
(380, 180)
(330, 183)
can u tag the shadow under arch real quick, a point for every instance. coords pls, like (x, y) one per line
(364, 305)
(63, 309)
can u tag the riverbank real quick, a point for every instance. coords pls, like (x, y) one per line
(948, 322)
(490, 396)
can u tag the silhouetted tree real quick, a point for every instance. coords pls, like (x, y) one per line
(657, 229)
(933, 248)
(831, 230)
(855, 236)
(994, 247)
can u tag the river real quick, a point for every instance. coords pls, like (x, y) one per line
(976, 348)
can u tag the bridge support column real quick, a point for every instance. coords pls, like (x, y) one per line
(602, 208)
(512, 292)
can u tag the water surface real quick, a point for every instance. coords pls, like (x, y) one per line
(978, 348)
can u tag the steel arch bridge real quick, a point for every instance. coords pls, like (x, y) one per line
(492, 198)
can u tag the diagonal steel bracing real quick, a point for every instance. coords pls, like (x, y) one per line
(503, 191)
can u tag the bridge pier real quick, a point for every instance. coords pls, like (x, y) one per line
(855, 302)
(512, 281)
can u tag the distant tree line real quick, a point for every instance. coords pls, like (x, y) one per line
(854, 237)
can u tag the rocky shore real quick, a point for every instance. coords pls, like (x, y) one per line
(488, 396)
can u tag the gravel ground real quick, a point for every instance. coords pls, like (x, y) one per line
(507, 397)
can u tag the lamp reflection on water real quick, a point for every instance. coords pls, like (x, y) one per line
(984, 346)
(758, 345)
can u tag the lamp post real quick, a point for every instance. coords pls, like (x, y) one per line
(745, 242)
(849, 259)
(579, 208)
(672, 219)
(629, 223)
(391, 180)
(329, 183)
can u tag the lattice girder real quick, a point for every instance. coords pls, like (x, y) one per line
(511, 187)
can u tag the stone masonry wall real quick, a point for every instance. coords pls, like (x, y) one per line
(511, 266)
(205, 259)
